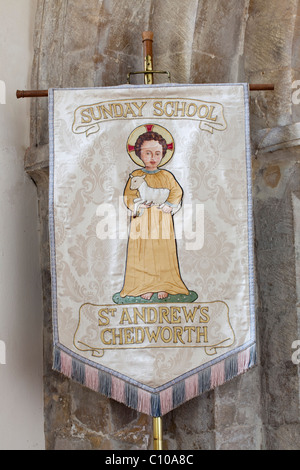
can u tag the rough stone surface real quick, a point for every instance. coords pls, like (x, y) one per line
(96, 43)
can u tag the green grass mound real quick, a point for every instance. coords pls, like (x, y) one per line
(177, 298)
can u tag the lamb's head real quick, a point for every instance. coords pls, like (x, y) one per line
(136, 181)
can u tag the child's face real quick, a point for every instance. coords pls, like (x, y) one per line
(151, 154)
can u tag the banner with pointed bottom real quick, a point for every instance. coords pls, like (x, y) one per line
(151, 237)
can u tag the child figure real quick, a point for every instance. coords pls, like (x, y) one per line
(152, 263)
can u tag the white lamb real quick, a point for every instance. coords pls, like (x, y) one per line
(148, 195)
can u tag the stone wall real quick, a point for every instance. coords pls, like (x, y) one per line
(96, 43)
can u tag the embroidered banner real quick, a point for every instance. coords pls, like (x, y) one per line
(151, 237)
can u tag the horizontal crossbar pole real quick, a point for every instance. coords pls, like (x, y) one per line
(41, 93)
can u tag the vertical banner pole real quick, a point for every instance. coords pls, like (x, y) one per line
(157, 434)
(148, 66)
(148, 56)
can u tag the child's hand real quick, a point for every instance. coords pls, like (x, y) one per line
(145, 206)
(166, 209)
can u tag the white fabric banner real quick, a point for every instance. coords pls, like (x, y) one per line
(151, 240)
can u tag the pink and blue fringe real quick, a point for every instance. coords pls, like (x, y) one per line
(160, 402)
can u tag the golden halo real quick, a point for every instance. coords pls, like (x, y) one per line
(150, 128)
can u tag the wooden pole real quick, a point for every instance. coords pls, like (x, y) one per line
(157, 434)
(147, 37)
(261, 86)
(31, 93)
(41, 93)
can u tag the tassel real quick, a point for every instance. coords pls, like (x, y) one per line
(91, 378)
(131, 396)
(66, 364)
(144, 402)
(217, 375)
(166, 400)
(252, 359)
(105, 384)
(78, 371)
(155, 406)
(191, 387)
(178, 394)
(57, 360)
(231, 367)
(118, 390)
(204, 380)
(243, 361)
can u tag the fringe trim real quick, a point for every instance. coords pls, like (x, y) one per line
(158, 403)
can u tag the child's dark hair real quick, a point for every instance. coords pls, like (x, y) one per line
(147, 136)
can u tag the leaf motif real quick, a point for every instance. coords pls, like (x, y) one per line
(70, 287)
(76, 210)
(225, 208)
(79, 255)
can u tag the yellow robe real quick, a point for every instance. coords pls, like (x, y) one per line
(152, 264)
